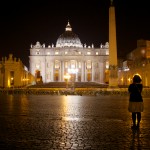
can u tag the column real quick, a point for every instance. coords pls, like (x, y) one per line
(85, 72)
(82, 72)
(76, 79)
(62, 71)
(93, 71)
(52, 71)
(59, 77)
(43, 69)
(101, 68)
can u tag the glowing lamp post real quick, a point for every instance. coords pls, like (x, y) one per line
(67, 77)
(12, 82)
(73, 72)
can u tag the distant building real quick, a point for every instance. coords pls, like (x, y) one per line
(137, 62)
(13, 73)
(83, 62)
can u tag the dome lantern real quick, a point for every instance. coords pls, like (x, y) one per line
(68, 38)
(68, 27)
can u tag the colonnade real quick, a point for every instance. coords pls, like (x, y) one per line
(85, 73)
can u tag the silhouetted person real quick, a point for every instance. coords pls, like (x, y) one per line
(136, 100)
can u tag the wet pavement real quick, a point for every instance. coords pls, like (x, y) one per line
(46, 122)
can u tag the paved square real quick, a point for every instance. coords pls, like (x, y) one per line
(46, 122)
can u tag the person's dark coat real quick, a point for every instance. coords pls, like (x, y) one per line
(135, 92)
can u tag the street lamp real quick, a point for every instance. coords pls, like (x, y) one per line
(12, 81)
(73, 72)
(67, 77)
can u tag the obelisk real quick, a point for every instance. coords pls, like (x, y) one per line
(113, 67)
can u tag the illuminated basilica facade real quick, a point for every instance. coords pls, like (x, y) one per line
(69, 56)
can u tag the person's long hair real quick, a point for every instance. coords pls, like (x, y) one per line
(137, 79)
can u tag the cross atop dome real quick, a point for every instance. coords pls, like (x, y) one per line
(68, 27)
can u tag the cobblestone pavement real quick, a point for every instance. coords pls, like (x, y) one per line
(45, 122)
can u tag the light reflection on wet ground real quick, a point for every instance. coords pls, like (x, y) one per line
(70, 122)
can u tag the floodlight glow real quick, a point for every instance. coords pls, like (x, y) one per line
(72, 71)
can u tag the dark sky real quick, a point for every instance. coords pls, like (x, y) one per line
(22, 23)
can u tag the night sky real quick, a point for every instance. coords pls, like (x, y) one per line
(25, 22)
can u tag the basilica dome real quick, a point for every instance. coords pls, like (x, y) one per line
(68, 39)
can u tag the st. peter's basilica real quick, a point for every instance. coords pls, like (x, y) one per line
(69, 56)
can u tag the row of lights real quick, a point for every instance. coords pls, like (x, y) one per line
(25, 79)
(56, 53)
